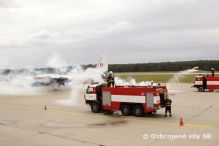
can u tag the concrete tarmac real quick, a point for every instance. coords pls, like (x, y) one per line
(24, 122)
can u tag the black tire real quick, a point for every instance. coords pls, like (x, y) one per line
(126, 109)
(138, 111)
(201, 89)
(95, 107)
(211, 90)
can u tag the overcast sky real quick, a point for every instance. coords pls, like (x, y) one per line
(126, 31)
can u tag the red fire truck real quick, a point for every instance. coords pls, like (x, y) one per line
(136, 100)
(202, 82)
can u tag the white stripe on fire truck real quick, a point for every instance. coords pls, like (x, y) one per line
(198, 82)
(128, 98)
(212, 82)
(156, 99)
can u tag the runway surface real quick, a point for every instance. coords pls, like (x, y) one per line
(24, 122)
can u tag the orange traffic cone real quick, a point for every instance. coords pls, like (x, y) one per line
(181, 122)
(45, 108)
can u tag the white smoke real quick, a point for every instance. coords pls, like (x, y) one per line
(132, 82)
(16, 85)
(73, 99)
(20, 82)
(56, 61)
(79, 78)
(124, 82)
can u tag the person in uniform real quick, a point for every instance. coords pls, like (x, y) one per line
(168, 103)
(212, 72)
(110, 80)
(162, 93)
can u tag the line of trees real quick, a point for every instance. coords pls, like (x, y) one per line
(165, 66)
(139, 67)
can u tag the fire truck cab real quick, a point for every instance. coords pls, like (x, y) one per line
(136, 100)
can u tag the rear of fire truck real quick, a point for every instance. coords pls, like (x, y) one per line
(130, 100)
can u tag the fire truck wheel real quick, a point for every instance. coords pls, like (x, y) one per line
(126, 110)
(211, 90)
(95, 107)
(138, 111)
(201, 89)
